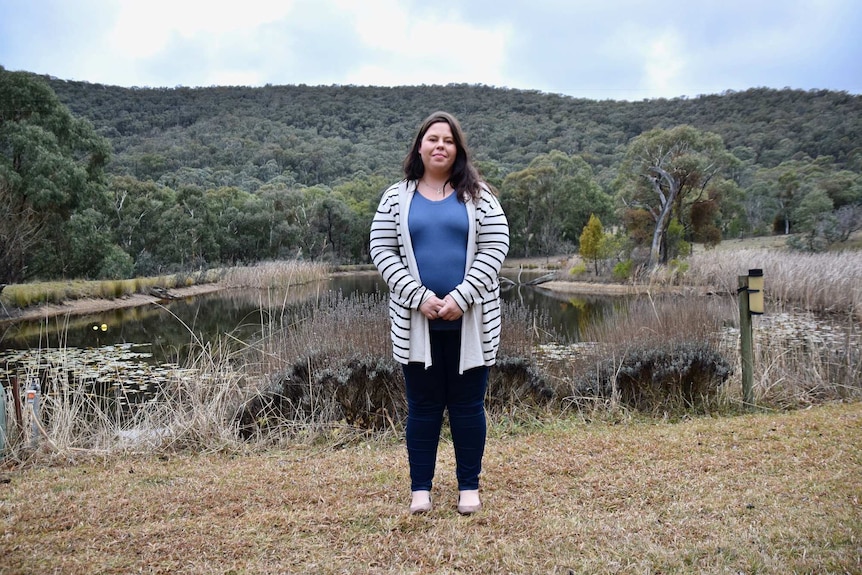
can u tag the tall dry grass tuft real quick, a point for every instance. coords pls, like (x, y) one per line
(332, 365)
(78, 416)
(655, 354)
(274, 274)
(804, 359)
(827, 282)
(311, 361)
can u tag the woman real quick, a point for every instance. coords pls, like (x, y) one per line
(439, 238)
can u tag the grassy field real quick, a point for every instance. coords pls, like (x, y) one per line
(583, 484)
(758, 493)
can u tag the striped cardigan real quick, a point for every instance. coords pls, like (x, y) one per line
(478, 295)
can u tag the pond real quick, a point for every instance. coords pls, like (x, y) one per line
(165, 331)
(145, 344)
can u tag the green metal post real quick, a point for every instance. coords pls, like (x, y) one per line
(745, 342)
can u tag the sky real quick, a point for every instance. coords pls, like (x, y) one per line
(596, 49)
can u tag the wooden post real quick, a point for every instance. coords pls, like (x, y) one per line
(746, 347)
(3, 432)
(16, 398)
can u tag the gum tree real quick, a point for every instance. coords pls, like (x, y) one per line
(666, 172)
(50, 168)
(550, 201)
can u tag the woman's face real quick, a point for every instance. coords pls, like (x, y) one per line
(438, 149)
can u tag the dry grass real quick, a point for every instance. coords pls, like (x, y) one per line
(274, 274)
(760, 493)
(265, 275)
(830, 282)
(36, 293)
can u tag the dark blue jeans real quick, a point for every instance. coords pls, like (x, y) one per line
(430, 392)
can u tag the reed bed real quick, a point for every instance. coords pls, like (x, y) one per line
(330, 366)
(802, 359)
(274, 274)
(265, 275)
(824, 283)
(658, 354)
(324, 374)
(316, 373)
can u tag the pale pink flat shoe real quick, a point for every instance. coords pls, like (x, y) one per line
(473, 505)
(420, 504)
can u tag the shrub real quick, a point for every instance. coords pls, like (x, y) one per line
(517, 381)
(653, 354)
(116, 264)
(623, 270)
(364, 392)
(340, 368)
(668, 378)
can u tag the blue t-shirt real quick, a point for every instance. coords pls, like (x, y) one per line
(439, 231)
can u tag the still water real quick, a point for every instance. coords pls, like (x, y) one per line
(161, 335)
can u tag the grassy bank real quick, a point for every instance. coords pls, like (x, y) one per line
(262, 276)
(759, 493)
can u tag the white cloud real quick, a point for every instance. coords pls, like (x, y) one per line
(626, 49)
(143, 29)
(664, 68)
(425, 48)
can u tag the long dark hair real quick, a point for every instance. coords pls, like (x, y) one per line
(464, 178)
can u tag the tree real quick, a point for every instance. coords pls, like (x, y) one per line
(549, 202)
(786, 187)
(19, 232)
(666, 171)
(334, 222)
(361, 194)
(848, 219)
(51, 165)
(787, 196)
(816, 222)
(592, 238)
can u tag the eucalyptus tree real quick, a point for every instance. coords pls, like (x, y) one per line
(361, 195)
(549, 202)
(51, 165)
(188, 229)
(137, 210)
(335, 223)
(787, 186)
(666, 172)
(239, 219)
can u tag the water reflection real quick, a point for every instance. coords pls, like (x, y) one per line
(167, 330)
(125, 355)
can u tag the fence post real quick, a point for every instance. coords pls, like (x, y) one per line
(750, 295)
(745, 342)
(3, 432)
(16, 401)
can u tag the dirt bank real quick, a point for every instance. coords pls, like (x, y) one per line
(90, 305)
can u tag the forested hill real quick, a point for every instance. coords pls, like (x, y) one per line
(246, 137)
(102, 181)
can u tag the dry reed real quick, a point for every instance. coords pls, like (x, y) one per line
(828, 283)
(339, 343)
(274, 274)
